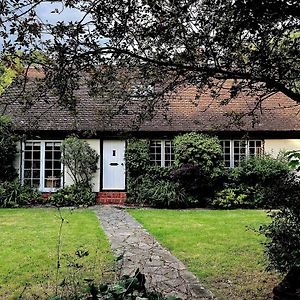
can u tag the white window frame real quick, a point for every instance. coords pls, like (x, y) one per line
(163, 152)
(247, 152)
(42, 187)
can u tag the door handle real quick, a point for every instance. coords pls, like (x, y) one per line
(113, 164)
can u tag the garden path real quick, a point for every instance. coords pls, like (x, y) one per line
(163, 272)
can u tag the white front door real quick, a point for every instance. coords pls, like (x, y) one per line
(113, 165)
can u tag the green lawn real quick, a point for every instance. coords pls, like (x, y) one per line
(217, 246)
(28, 250)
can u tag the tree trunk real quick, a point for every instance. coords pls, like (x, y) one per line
(289, 287)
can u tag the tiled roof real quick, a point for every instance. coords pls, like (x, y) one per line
(185, 112)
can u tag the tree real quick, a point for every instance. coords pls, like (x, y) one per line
(7, 149)
(10, 67)
(160, 45)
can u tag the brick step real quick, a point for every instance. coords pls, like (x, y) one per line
(111, 198)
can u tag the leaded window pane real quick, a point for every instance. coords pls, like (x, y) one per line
(236, 151)
(35, 169)
(155, 152)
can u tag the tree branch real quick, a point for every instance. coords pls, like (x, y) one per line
(218, 73)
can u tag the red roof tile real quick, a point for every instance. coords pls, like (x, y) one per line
(183, 113)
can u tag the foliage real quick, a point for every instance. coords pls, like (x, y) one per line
(147, 184)
(80, 160)
(263, 170)
(198, 158)
(229, 198)
(127, 288)
(198, 149)
(137, 156)
(8, 149)
(14, 194)
(181, 185)
(161, 193)
(283, 233)
(293, 159)
(197, 185)
(256, 178)
(167, 43)
(73, 195)
(10, 67)
(155, 188)
(151, 185)
(283, 245)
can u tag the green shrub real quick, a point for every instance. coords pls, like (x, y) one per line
(80, 160)
(198, 158)
(200, 150)
(230, 198)
(160, 193)
(13, 194)
(137, 157)
(147, 184)
(257, 177)
(195, 175)
(8, 149)
(263, 170)
(283, 233)
(293, 158)
(73, 195)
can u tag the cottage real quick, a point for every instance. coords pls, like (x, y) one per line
(244, 126)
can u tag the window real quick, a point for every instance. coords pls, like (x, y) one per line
(42, 166)
(161, 153)
(235, 151)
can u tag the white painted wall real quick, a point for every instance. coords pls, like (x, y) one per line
(275, 146)
(271, 146)
(94, 144)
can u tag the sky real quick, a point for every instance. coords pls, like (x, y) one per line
(45, 13)
(66, 14)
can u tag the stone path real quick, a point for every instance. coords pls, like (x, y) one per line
(162, 270)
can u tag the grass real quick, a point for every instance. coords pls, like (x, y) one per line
(28, 255)
(217, 246)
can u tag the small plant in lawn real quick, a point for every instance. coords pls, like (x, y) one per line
(127, 288)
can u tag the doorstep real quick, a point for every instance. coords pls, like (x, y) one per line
(112, 197)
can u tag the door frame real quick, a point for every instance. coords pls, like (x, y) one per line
(101, 164)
